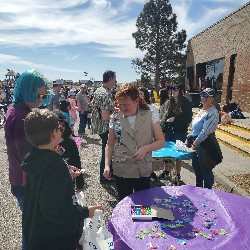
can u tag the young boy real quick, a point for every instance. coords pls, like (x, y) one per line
(52, 219)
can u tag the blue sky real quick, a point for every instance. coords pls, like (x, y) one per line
(65, 38)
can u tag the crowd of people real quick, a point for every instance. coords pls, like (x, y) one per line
(44, 163)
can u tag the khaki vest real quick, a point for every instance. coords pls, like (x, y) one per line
(128, 141)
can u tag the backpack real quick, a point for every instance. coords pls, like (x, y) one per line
(236, 114)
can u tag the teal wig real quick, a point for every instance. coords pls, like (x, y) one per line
(27, 85)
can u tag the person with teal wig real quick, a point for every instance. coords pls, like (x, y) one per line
(26, 87)
(31, 88)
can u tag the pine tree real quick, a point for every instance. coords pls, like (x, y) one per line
(163, 45)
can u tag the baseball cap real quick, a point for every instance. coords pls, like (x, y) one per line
(60, 115)
(176, 86)
(83, 86)
(57, 82)
(210, 92)
(71, 93)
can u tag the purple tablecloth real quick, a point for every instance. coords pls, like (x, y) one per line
(204, 219)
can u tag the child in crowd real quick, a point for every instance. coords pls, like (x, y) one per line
(67, 148)
(65, 107)
(225, 116)
(134, 133)
(73, 108)
(52, 219)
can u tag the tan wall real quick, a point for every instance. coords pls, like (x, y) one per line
(227, 37)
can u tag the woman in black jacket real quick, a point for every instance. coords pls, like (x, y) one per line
(175, 122)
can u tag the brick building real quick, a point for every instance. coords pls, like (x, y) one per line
(219, 57)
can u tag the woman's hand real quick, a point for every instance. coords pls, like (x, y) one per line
(141, 153)
(107, 173)
(78, 190)
(74, 172)
(171, 119)
(194, 145)
(92, 210)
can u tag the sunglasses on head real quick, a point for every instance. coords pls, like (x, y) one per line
(42, 96)
(204, 95)
(174, 87)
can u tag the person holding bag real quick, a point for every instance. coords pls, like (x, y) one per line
(52, 217)
(203, 140)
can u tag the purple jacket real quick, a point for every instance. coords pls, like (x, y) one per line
(17, 145)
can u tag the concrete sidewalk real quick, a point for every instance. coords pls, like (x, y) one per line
(233, 164)
(244, 122)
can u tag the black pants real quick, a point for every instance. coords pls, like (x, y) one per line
(104, 138)
(126, 186)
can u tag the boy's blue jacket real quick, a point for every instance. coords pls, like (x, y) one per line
(51, 217)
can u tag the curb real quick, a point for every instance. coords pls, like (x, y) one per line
(229, 185)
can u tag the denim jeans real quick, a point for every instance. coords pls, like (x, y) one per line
(204, 177)
(104, 138)
(18, 192)
(83, 122)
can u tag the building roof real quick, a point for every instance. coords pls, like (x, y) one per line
(11, 73)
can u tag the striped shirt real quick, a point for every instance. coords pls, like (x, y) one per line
(205, 123)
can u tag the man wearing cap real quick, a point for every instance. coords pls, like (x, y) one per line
(82, 104)
(103, 106)
(55, 96)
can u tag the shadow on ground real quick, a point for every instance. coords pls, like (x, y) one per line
(188, 166)
(90, 141)
(111, 189)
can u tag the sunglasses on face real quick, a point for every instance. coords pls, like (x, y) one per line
(175, 89)
(42, 96)
(60, 127)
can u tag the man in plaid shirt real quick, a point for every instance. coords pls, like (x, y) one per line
(103, 107)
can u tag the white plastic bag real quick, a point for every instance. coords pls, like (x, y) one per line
(96, 239)
(179, 145)
(80, 198)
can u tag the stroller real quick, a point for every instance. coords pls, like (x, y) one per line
(3, 109)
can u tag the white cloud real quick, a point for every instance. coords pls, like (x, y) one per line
(44, 23)
(226, 1)
(126, 3)
(6, 59)
(208, 15)
(51, 23)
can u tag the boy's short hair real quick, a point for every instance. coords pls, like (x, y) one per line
(107, 75)
(39, 125)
